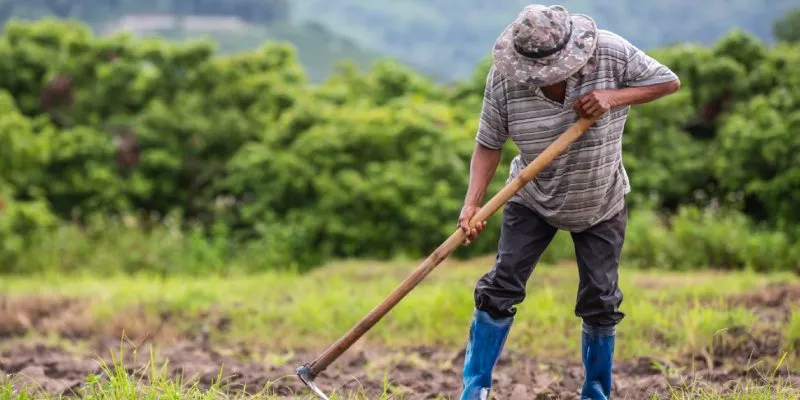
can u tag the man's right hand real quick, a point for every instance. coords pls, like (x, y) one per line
(467, 212)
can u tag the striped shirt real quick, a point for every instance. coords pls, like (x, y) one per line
(588, 183)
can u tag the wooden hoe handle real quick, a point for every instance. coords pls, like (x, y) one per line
(456, 239)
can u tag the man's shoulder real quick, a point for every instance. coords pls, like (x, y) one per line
(494, 77)
(608, 41)
(495, 81)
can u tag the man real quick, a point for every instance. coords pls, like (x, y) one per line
(549, 68)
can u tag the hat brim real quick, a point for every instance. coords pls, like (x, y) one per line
(554, 68)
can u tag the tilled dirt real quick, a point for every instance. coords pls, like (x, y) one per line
(421, 373)
(773, 303)
(414, 373)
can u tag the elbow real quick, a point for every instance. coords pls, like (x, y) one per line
(673, 86)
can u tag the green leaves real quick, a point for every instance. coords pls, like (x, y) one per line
(788, 28)
(371, 164)
(758, 155)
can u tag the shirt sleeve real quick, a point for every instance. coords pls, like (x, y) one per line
(493, 124)
(640, 69)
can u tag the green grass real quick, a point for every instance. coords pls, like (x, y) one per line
(744, 393)
(666, 313)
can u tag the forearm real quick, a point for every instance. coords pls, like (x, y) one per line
(482, 168)
(644, 94)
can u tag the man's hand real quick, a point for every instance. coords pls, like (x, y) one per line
(467, 212)
(598, 102)
(595, 103)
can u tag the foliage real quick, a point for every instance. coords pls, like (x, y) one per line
(368, 164)
(130, 244)
(24, 151)
(448, 37)
(695, 238)
(788, 27)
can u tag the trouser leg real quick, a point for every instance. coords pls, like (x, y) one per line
(523, 238)
(598, 251)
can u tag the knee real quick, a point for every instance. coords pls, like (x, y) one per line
(496, 309)
(601, 311)
(496, 299)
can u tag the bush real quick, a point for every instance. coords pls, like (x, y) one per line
(696, 238)
(20, 222)
(240, 155)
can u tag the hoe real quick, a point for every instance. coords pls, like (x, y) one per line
(309, 372)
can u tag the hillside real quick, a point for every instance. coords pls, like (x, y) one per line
(421, 34)
(450, 36)
(318, 48)
(235, 26)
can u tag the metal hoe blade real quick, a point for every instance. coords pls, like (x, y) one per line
(304, 373)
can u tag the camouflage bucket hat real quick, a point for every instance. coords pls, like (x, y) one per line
(545, 45)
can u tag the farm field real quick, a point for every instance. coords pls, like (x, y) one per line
(708, 334)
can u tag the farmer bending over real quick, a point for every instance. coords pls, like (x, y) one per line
(549, 68)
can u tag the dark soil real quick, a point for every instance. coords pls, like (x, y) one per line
(422, 373)
(416, 373)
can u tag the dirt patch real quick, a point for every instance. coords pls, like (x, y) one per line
(772, 303)
(418, 373)
(742, 345)
(68, 317)
(39, 368)
(770, 296)
(746, 345)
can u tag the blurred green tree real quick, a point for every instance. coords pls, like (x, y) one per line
(788, 28)
(364, 164)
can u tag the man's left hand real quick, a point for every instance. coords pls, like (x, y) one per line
(595, 103)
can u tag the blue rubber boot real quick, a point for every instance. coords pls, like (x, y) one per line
(487, 335)
(597, 348)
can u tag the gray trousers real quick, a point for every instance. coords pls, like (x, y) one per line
(523, 239)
